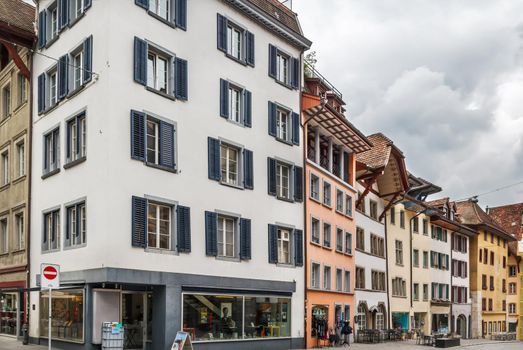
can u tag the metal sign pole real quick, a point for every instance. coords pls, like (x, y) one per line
(49, 340)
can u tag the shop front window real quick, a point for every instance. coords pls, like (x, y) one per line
(67, 315)
(8, 313)
(228, 317)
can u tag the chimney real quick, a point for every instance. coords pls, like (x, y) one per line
(487, 209)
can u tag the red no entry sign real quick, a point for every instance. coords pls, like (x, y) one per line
(50, 276)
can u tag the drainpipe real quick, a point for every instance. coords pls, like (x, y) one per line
(450, 284)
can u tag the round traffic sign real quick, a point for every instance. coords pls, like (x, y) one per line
(50, 272)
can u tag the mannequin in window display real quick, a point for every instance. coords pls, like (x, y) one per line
(227, 323)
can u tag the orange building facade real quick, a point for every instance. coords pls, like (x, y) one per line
(331, 145)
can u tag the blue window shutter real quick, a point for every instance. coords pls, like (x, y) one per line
(298, 184)
(183, 223)
(181, 14)
(41, 29)
(41, 93)
(137, 135)
(295, 73)
(298, 247)
(346, 168)
(211, 228)
(271, 176)
(87, 4)
(245, 239)
(180, 77)
(222, 33)
(67, 240)
(139, 222)
(78, 222)
(63, 79)
(167, 145)
(88, 59)
(247, 117)
(248, 181)
(140, 61)
(63, 13)
(249, 45)
(213, 146)
(272, 119)
(224, 98)
(142, 3)
(273, 244)
(45, 234)
(295, 128)
(272, 60)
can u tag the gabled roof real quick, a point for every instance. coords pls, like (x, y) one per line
(378, 155)
(509, 217)
(471, 214)
(280, 12)
(16, 20)
(420, 188)
(438, 202)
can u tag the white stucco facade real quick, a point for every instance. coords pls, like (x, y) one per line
(108, 178)
(463, 309)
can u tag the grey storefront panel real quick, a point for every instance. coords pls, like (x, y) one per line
(167, 291)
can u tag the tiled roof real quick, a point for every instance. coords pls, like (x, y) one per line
(438, 202)
(471, 213)
(279, 12)
(509, 217)
(378, 156)
(19, 14)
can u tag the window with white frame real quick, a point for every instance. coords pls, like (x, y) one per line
(76, 228)
(339, 201)
(315, 230)
(346, 285)
(77, 9)
(415, 291)
(20, 158)
(52, 87)
(399, 252)
(229, 164)
(77, 59)
(315, 187)
(348, 243)
(51, 151)
(326, 235)
(283, 124)
(326, 193)
(327, 277)
(161, 8)
(284, 246)
(159, 225)
(512, 271)
(76, 138)
(512, 308)
(152, 143)
(227, 227)
(283, 180)
(235, 37)
(362, 317)
(19, 240)
(512, 288)
(51, 230)
(282, 68)
(4, 156)
(235, 103)
(157, 71)
(425, 292)
(315, 275)
(373, 206)
(4, 235)
(348, 205)
(339, 280)
(360, 277)
(53, 22)
(399, 287)
(6, 100)
(22, 89)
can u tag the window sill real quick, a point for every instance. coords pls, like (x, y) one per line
(348, 254)
(238, 187)
(71, 164)
(4, 254)
(243, 62)
(50, 173)
(161, 19)
(317, 200)
(159, 167)
(339, 251)
(20, 106)
(77, 246)
(74, 21)
(400, 265)
(285, 199)
(326, 247)
(163, 94)
(48, 43)
(160, 251)
(5, 187)
(51, 251)
(288, 266)
(18, 251)
(286, 142)
(19, 179)
(316, 244)
(224, 258)
(76, 91)
(284, 84)
(327, 205)
(50, 108)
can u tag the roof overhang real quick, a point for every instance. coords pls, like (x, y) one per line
(272, 24)
(442, 221)
(494, 229)
(338, 126)
(15, 35)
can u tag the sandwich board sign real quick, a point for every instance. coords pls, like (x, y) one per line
(182, 341)
(49, 276)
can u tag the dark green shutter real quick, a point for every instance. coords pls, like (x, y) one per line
(213, 146)
(42, 26)
(137, 135)
(273, 51)
(298, 184)
(183, 223)
(140, 61)
(63, 79)
(41, 93)
(245, 239)
(295, 128)
(273, 244)
(298, 247)
(249, 45)
(271, 176)
(142, 3)
(224, 98)
(272, 119)
(248, 181)
(139, 222)
(222, 33)
(181, 14)
(88, 59)
(247, 117)
(180, 79)
(211, 241)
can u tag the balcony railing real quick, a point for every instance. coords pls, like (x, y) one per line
(311, 72)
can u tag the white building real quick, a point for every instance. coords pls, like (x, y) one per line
(170, 182)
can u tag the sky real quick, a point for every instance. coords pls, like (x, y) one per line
(442, 78)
